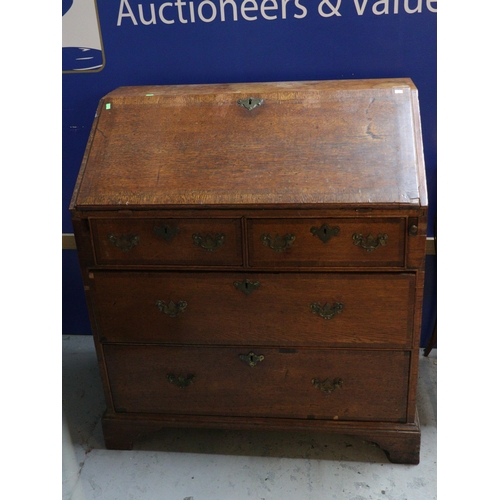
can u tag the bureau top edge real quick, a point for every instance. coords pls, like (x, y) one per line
(413, 209)
(238, 87)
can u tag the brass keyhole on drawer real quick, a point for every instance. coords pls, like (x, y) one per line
(250, 103)
(247, 287)
(166, 232)
(124, 242)
(325, 232)
(251, 358)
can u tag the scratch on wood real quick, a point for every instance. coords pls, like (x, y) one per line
(372, 100)
(370, 133)
(102, 133)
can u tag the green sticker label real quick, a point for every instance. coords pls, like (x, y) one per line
(108, 105)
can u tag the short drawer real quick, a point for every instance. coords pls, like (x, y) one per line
(327, 242)
(156, 242)
(306, 309)
(249, 381)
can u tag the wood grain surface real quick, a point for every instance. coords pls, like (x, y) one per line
(279, 386)
(377, 308)
(310, 143)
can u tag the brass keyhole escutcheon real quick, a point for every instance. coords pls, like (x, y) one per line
(166, 232)
(247, 286)
(325, 233)
(250, 103)
(251, 359)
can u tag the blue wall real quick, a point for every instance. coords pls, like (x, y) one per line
(182, 42)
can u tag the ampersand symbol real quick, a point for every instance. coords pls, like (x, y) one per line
(334, 11)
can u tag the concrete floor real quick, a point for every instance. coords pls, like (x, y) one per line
(230, 465)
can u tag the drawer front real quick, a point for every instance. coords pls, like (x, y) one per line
(327, 242)
(247, 381)
(312, 309)
(158, 242)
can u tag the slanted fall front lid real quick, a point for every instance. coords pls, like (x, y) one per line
(290, 143)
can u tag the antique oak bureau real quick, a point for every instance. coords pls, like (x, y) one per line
(252, 257)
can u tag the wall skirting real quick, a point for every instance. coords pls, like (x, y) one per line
(68, 243)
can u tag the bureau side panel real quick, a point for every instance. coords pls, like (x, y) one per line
(83, 165)
(417, 240)
(417, 326)
(86, 260)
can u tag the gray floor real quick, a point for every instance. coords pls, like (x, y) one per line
(218, 465)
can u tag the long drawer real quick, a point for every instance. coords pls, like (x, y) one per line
(306, 309)
(292, 383)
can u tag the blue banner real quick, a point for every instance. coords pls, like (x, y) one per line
(110, 43)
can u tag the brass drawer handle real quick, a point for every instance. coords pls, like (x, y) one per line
(166, 232)
(325, 232)
(251, 359)
(124, 242)
(180, 381)
(327, 386)
(247, 287)
(278, 243)
(370, 243)
(208, 242)
(171, 309)
(327, 311)
(250, 103)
